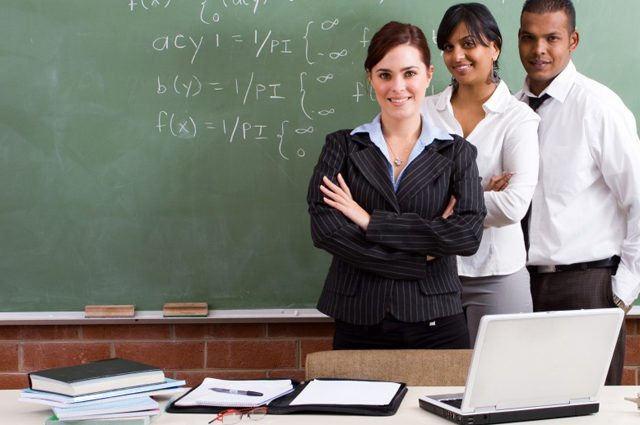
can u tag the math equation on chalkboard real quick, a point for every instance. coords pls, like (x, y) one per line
(283, 72)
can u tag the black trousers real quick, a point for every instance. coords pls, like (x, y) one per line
(581, 289)
(445, 332)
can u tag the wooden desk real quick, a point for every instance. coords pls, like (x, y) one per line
(614, 410)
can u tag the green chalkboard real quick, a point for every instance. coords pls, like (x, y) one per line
(156, 151)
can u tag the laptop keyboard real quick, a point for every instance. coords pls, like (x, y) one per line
(455, 402)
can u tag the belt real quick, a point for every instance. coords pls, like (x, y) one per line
(607, 263)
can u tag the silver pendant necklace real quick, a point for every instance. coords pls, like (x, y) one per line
(397, 161)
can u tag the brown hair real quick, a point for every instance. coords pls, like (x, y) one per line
(393, 34)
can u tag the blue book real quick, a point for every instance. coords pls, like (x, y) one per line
(53, 403)
(33, 395)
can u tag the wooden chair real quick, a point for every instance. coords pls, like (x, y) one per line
(413, 367)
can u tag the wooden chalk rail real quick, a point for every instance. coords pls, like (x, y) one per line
(287, 315)
(301, 315)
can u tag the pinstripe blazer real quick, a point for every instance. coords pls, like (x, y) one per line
(384, 270)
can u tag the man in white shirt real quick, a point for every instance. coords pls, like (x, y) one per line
(584, 227)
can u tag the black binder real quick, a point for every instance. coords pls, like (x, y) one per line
(281, 405)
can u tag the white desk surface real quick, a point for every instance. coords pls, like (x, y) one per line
(614, 410)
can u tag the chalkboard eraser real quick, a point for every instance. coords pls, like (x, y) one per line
(124, 310)
(185, 309)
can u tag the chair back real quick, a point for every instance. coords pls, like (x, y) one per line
(413, 367)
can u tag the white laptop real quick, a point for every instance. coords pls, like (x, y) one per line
(534, 366)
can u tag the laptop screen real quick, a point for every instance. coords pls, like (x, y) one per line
(541, 359)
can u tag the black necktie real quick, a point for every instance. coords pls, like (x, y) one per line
(534, 103)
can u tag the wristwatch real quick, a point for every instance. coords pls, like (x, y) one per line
(617, 301)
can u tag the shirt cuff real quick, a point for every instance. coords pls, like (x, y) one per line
(625, 285)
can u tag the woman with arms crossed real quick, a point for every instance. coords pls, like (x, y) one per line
(376, 201)
(480, 107)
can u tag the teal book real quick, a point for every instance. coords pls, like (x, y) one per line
(141, 406)
(146, 420)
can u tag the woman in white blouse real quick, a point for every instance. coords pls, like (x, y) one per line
(478, 106)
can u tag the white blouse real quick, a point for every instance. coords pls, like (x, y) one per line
(507, 141)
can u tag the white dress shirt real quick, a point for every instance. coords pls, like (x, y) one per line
(507, 141)
(586, 206)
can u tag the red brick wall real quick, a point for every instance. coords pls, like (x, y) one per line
(192, 352)
(189, 352)
(632, 353)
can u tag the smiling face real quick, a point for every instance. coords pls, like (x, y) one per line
(546, 42)
(400, 81)
(468, 60)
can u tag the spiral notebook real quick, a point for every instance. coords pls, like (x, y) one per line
(211, 392)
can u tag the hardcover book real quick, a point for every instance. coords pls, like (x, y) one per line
(95, 377)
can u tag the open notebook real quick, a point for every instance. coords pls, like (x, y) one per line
(321, 395)
(534, 366)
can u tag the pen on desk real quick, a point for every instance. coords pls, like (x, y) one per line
(238, 392)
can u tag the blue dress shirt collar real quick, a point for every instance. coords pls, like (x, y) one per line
(427, 135)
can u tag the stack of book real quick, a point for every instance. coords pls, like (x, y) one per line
(114, 391)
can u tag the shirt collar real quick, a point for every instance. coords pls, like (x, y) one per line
(497, 102)
(560, 86)
(499, 99)
(444, 100)
(427, 135)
